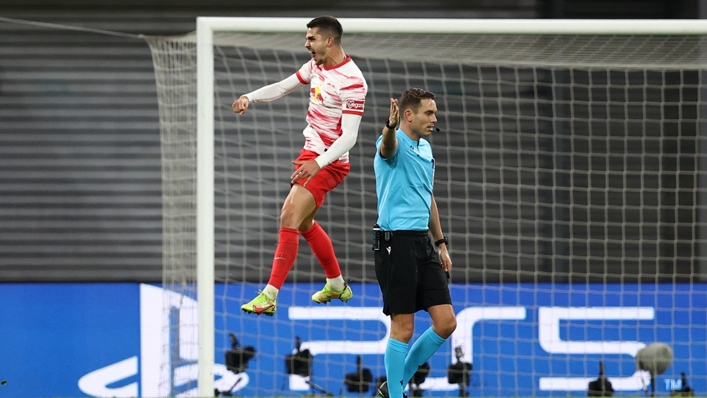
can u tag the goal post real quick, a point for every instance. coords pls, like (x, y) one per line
(205, 244)
(539, 131)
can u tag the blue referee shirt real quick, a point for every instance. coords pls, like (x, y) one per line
(404, 184)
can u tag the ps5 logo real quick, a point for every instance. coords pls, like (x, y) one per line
(156, 379)
(549, 319)
(549, 338)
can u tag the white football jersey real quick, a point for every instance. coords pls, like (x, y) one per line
(333, 91)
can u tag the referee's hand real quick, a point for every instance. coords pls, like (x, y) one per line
(394, 113)
(445, 258)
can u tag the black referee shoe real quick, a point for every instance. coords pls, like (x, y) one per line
(383, 391)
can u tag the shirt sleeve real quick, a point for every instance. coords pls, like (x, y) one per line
(276, 90)
(391, 160)
(353, 96)
(349, 134)
(304, 74)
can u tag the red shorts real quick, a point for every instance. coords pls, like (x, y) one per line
(327, 179)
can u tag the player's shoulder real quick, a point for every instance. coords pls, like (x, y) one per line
(352, 63)
(352, 70)
(310, 65)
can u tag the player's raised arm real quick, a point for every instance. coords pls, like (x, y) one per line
(268, 93)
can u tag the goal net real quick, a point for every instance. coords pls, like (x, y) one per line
(570, 180)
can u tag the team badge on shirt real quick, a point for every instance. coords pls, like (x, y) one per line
(316, 94)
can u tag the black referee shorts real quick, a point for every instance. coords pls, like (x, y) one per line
(410, 273)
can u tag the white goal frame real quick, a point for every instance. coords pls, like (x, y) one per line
(207, 26)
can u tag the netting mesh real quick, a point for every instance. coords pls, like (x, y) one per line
(569, 174)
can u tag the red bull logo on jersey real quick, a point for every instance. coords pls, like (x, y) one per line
(316, 94)
(354, 105)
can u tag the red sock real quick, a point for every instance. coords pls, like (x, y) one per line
(323, 249)
(285, 256)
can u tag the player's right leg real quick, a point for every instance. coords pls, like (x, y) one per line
(298, 205)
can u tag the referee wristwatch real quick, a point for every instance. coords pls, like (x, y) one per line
(443, 240)
(387, 124)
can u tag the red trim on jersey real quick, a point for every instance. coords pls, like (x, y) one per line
(359, 113)
(318, 116)
(344, 62)
(328, 141)
(309, 113)
(353, 86)
(301, 80)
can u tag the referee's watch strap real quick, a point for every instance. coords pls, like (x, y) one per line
(443, 240)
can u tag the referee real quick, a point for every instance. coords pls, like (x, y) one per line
(412, 275)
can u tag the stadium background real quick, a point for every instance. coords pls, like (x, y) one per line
(80, 187)
(80, 190)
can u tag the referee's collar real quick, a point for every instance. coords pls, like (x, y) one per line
(410, 141)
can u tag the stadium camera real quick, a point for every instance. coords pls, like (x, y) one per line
(237, 358)
(236, 361)
(601, 386)
(300, 363)
(685, 390)
(459, 372)
(655, 359)
(418, 378)
(359, 381)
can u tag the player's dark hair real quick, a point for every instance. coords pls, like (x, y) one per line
(329, 26)
(412, 98)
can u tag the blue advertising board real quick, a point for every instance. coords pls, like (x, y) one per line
(531, 340)
(51, 335)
